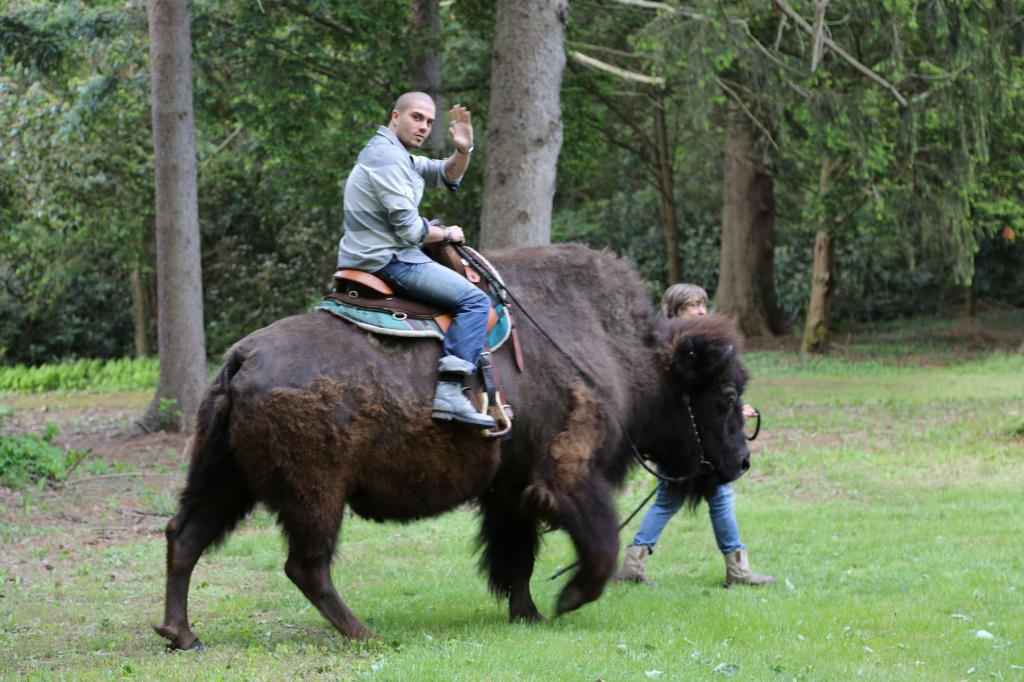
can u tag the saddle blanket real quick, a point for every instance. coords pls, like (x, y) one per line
(398, 324)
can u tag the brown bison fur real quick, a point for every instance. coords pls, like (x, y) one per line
(312, 414)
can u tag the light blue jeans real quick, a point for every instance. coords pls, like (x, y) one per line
(670, 499)
(439, 286)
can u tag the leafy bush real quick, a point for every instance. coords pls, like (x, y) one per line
(28, 458)
(82, 375)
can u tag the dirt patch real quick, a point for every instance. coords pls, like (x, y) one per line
(788, 343)
(124, 489)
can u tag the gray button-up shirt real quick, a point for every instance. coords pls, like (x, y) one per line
(382, 198)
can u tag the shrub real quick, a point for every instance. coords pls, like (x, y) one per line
(82, 375)
(29, 458)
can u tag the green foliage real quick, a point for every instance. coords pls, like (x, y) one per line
(77, 167)
(287, 93)
(168, 407)
(82, 375)
(914, 196)
(31, 458)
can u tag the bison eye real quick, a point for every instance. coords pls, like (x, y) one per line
(728, 398)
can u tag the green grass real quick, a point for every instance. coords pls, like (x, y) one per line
(886, 498)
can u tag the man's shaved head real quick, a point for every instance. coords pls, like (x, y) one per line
(408, 99)
(412, 118)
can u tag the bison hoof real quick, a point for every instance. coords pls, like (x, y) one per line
(570, 599)
(529, 618)
(195, 646)
(360, 633)
(179, 641)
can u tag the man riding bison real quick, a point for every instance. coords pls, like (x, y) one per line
(311, 414)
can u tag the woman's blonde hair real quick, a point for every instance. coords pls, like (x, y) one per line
(680, 296)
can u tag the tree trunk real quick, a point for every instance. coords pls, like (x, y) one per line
(140, 319)
(666, 191)
(746, 286)
(524, 127)
(970, 300)
(180, 337)
(815, 338)
(425, 66)
(819, 307)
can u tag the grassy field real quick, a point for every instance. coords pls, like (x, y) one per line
(886, 498)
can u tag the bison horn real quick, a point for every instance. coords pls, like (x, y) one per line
(719, 367)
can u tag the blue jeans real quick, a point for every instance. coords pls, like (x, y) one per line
(668, 502)
(439, 286)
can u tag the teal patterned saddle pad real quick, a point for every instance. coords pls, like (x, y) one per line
(398, 324)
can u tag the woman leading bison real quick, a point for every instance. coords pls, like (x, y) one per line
(311, 414)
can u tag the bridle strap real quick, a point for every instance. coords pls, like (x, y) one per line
(700, 448)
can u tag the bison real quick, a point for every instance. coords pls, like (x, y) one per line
(311, 414)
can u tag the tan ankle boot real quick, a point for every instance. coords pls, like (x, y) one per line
(633, 565)
(737, 570)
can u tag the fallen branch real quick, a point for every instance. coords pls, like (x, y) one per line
(135, 474)
(78, 461)
(139, 512)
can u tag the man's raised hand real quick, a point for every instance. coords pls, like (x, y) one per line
(460, 127)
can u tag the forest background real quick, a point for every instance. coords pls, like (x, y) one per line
(912, 175)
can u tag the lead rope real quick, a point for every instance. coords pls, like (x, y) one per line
(621, 526)
(506, 296)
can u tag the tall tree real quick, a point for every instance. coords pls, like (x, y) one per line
(425, 65)
(181, 342)
(746, 275)
(79, 156)
(713, 75)
(524, 128)
(900, 145)
(649, 138)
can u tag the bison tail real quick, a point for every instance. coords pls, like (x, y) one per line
(215, 489)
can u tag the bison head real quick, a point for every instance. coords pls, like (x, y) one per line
(706, 380)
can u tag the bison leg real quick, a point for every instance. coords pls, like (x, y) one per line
(195, 528)
(589, 518)
(509, 539)
(311, 547)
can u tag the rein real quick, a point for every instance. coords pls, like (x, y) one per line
(653, 472)
(506, 296)
(757, 429)
(621, 526)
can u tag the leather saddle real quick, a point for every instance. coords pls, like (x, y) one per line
(365, 290)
